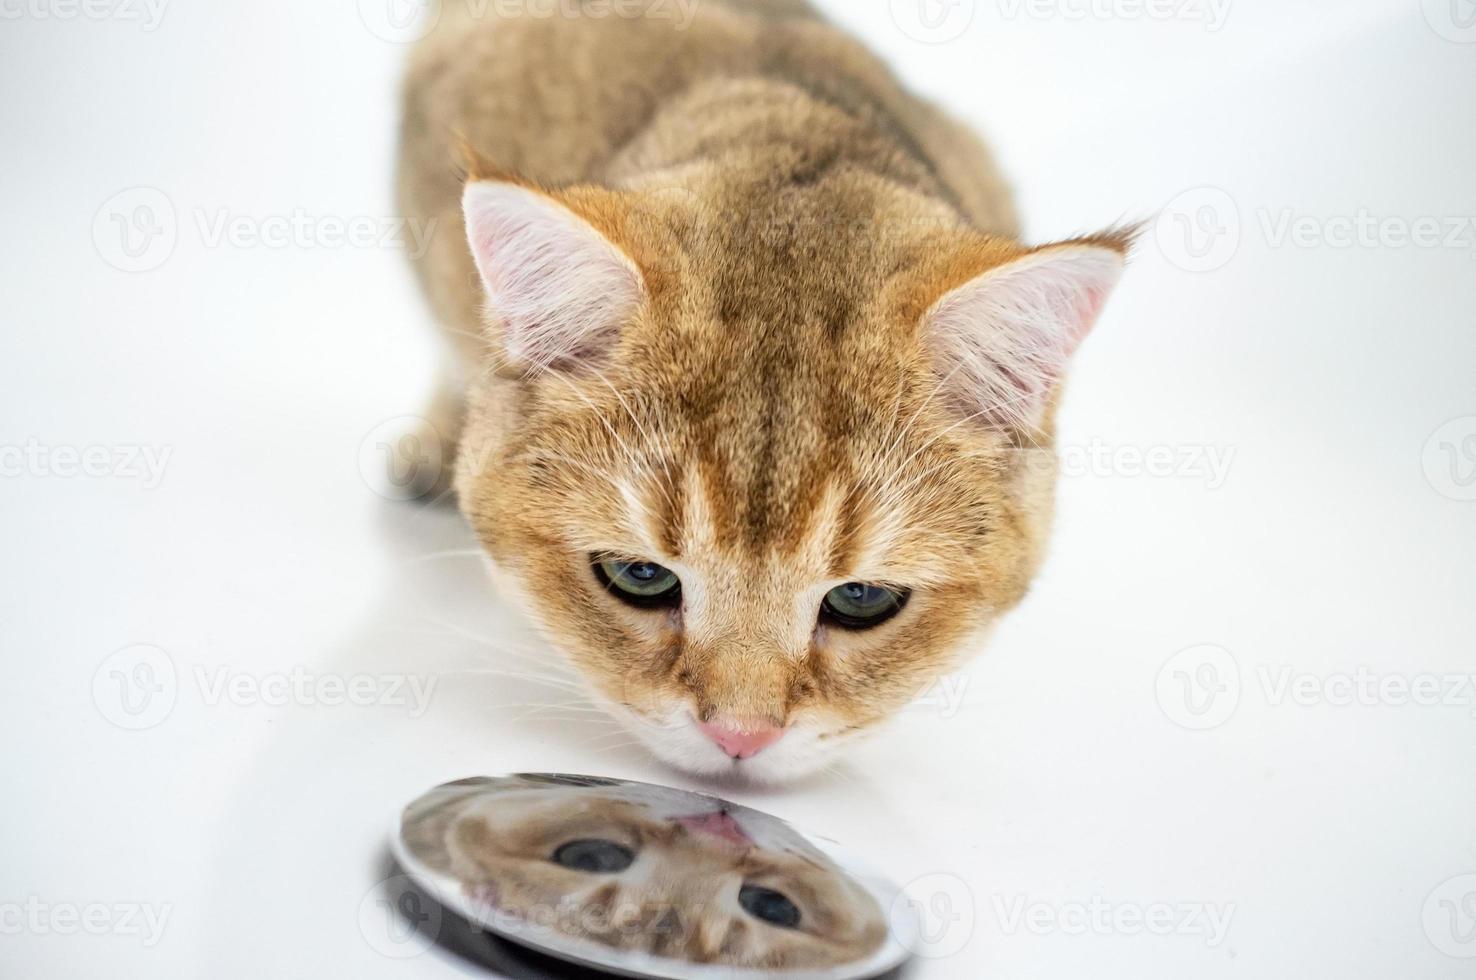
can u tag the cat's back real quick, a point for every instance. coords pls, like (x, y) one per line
(555, 98)
(558, 99)
(552, 98)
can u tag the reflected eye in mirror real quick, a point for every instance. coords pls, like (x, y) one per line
(644, 584)
(860, 606)
(601, 857)
(769, 906)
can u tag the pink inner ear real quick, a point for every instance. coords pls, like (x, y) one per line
(1002, 341)
(559, 289)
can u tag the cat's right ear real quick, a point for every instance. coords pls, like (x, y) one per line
(1001, 340)
(558, 289)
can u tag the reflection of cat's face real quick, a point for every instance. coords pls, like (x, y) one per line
(642, 869)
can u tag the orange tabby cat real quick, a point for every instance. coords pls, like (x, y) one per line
(643, 869)
(751, 363)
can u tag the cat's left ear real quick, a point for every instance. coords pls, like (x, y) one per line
(1000, 342)
(559, 288)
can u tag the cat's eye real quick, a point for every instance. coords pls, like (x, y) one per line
(767, 905)
(859, 606)
(640, 583)
(601, 857)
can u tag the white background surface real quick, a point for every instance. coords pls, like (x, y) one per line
(1337, 541)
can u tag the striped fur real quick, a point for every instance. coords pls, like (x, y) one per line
(834, 362)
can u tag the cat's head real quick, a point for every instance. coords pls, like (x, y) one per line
(763, 460)
(645, 869)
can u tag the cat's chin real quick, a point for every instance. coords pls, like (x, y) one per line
(679, 744)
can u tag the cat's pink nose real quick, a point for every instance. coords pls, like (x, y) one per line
(742, 743)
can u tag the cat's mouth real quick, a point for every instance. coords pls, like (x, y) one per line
(719, 824)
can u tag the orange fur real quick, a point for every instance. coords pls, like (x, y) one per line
(769, 424)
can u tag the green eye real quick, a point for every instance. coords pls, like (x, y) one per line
(640, 583)
(858, 606)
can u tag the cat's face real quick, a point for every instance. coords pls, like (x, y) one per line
(763, 479)
(644, 869)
